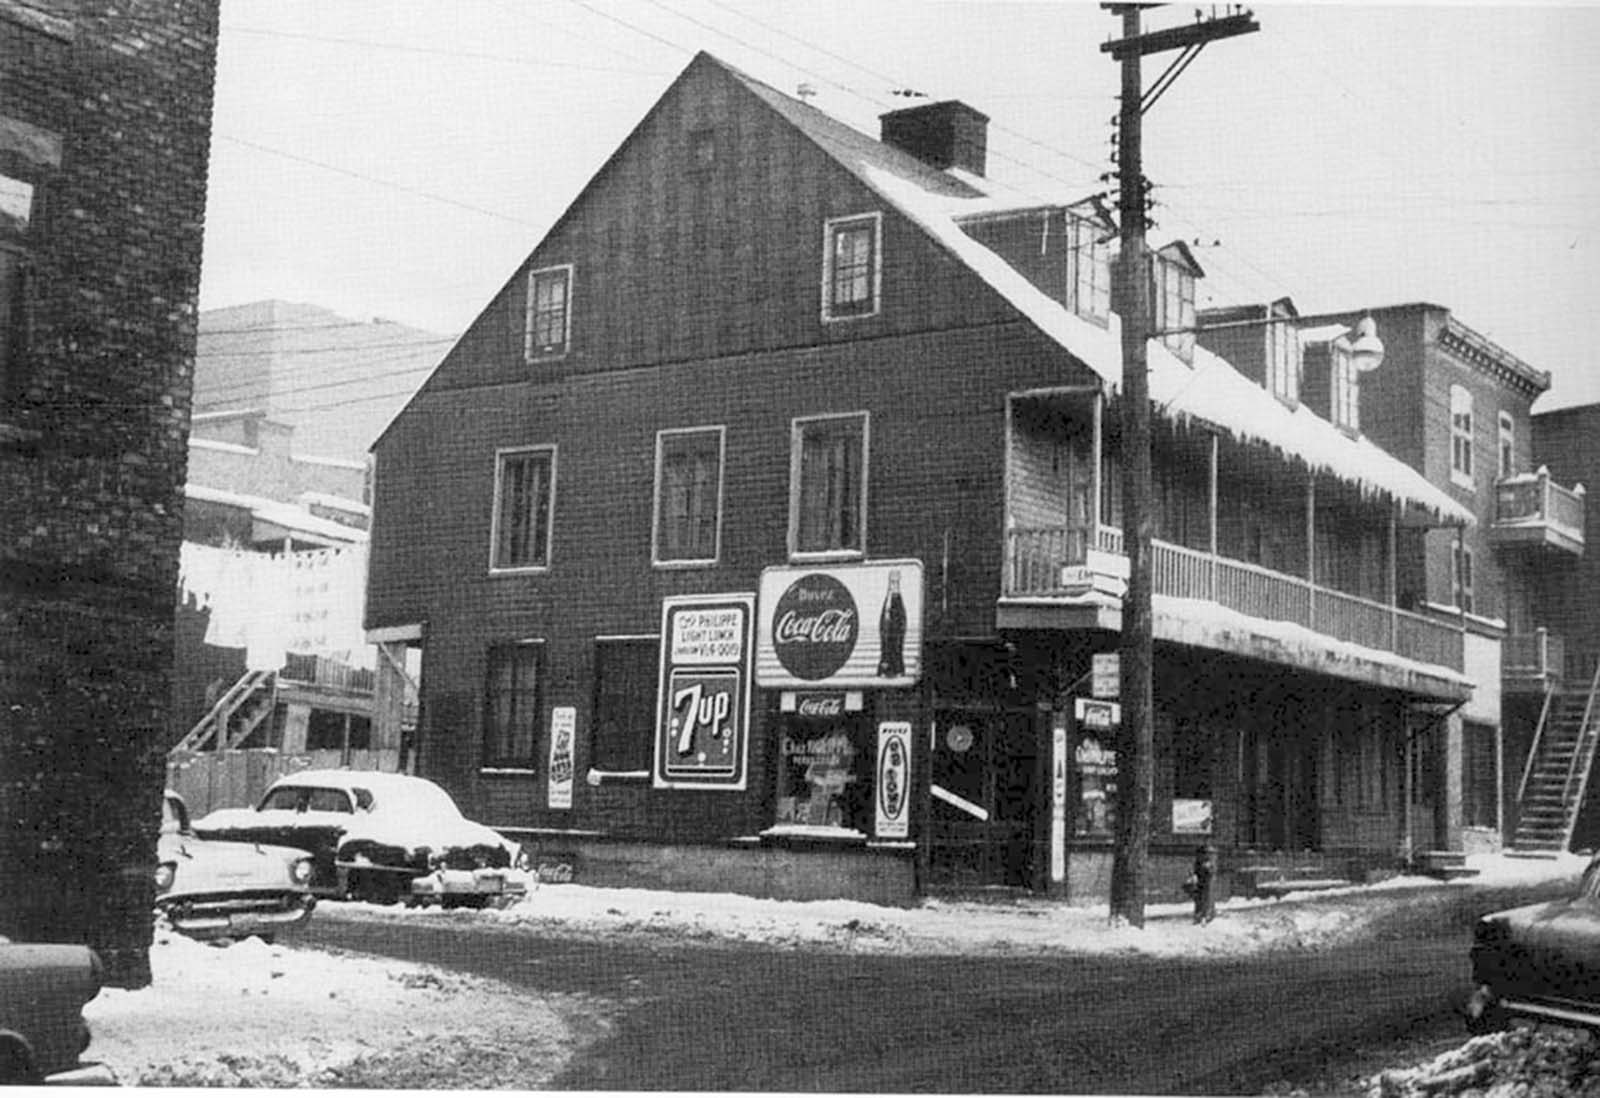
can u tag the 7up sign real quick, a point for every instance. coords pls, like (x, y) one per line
(703, 699)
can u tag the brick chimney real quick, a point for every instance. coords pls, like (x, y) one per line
(945, 135)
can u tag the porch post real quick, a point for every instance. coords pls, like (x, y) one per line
(1393, 578)
(1311, 549)
(1099, 471)
(1213, 533)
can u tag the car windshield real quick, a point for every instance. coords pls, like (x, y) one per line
(174, 816)
(302, 798)
(1590, 888)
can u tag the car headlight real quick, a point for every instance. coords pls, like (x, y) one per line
(300, 871)
(165, 873)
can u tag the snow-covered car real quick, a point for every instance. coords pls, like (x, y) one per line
(210, 888)
(380, 837)
(42, 1031)
(1540, 962)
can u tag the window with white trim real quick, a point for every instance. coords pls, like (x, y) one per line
(547, 329)
(852, 265)
(524, 497)
(828, 485)
(1283, 362)
(1461, 436)
(688, 509)
(1461, 577)
(1088, 268)
(1346, 387)
(511, 704)
(1174, 305)
(1508, 448)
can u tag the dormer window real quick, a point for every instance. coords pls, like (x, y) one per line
(852, 267)
(1283, 359)
(1345, 383)
(1088, 268)
(1174, 271)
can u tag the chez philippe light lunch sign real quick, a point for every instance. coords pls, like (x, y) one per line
(838, 626)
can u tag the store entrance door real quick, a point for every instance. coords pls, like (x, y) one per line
(982, 820)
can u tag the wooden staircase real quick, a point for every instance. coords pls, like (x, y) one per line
(1557, 772)
(237, 714)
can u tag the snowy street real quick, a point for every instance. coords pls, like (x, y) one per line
(308, 1015)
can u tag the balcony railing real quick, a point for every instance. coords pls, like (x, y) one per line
(1036, 559)
(313, 670)
(1530, 507)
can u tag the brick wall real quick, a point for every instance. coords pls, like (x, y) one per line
(93, 430)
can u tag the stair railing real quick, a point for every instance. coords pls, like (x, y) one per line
(1574, 804)
(1538, 736)
(215, 720)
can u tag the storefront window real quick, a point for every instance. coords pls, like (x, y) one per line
(825, 772)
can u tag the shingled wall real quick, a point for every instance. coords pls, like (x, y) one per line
(105, 110)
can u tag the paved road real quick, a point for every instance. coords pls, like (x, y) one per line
(698, 1016)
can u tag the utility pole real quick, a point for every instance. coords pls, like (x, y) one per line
(1136, 765)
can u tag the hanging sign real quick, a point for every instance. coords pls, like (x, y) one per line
(563, 734)
(1106, 675)
(703, 693)
(835, 626)
(894, 780)
(1097, 714)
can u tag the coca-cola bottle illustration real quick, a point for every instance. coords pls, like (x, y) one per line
(892, 632)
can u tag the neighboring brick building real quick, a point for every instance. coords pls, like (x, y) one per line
(105, 119)
(762, 530)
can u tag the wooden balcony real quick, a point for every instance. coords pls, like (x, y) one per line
(1531, 510)
(1532, 662)
(1045, 565)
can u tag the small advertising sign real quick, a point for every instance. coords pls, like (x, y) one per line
(1106, 675)
(1191, 817)
(563, 734)
(842, 625)
(1097, 714)
(703, 696)
(894, 780)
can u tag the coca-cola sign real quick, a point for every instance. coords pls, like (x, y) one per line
(815, 626)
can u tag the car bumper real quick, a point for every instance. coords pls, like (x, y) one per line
(237, 919)
(1485, 1009)
(84, 1075)
(492, 883)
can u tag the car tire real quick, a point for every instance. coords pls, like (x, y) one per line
(16, 1064)
(376, 887)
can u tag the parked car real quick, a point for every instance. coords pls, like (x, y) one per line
(1541, 962)
(380, 837)
(42, 1031)
(210, 888)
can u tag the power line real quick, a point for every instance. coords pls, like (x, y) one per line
(365, 43)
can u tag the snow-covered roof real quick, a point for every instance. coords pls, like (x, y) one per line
(937, 200)
(287, 515)
(334, 462)
(1211, 390)
(222, 447)
(336, 503)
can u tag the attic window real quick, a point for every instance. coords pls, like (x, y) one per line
(1089, 269)
(851, 267)
(548, 327)
(1174, 303)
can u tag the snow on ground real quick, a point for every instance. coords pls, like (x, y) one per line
(252, 1014)
(249, 1014)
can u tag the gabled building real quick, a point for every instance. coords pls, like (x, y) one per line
(762, 532)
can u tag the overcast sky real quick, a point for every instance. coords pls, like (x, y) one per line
(399, 159)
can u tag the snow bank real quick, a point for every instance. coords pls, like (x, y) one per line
(250, 1014)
